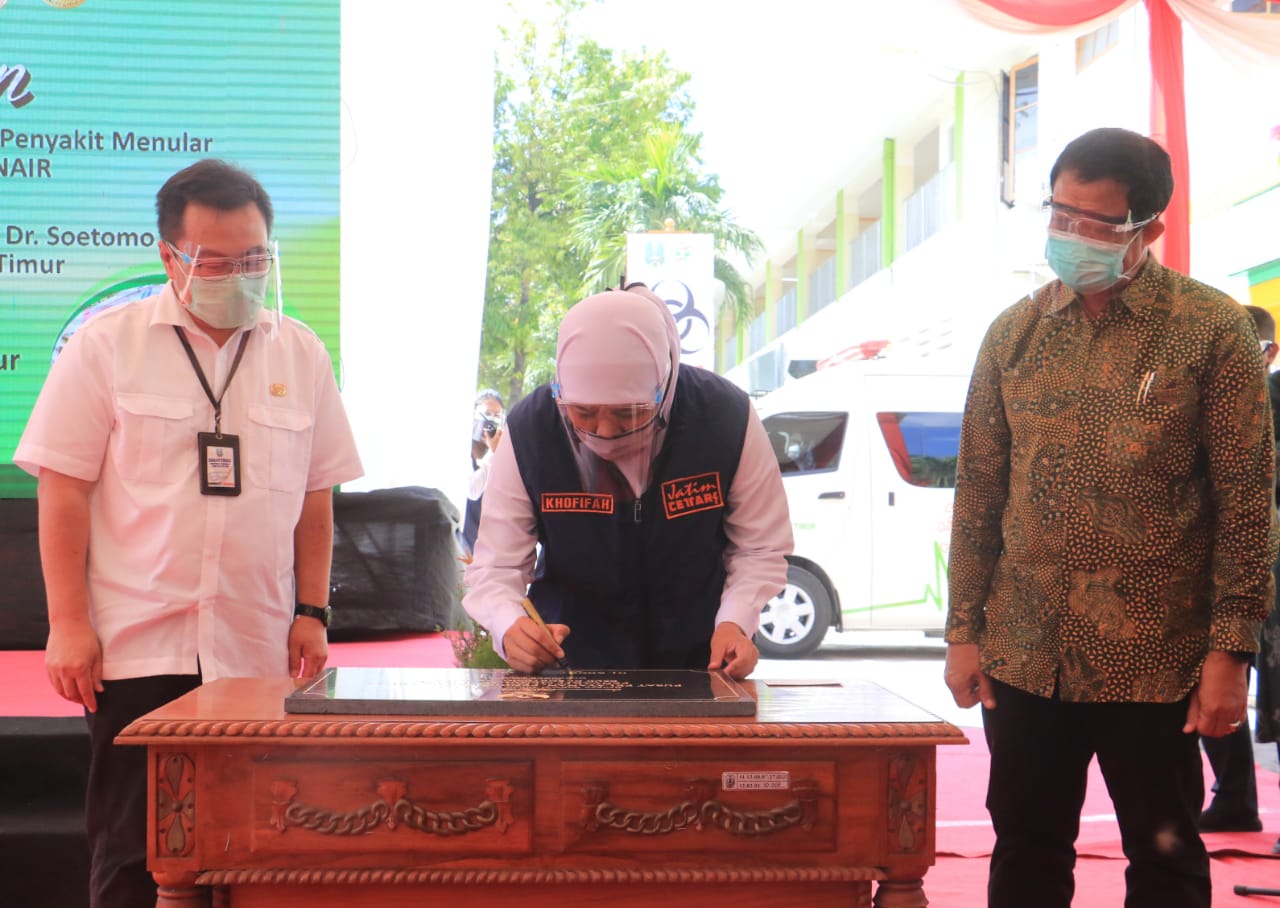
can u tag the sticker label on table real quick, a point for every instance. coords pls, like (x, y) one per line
(755, 781)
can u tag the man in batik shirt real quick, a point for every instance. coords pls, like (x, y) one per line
(1112, 542)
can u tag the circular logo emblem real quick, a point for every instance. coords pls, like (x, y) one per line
(61, 4)
(695, 330)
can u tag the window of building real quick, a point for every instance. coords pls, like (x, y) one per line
(1266, 7)
(807, 442)
(1020, 178)
(1093, 45)
(924, 446)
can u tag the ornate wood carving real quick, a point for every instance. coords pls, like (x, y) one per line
(698, 811)
(401, 729)
(175, 805)
(908, 802)
(490, 876)
(393, 809)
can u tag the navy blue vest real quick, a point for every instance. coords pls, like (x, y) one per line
(471, 522)
(639, 588)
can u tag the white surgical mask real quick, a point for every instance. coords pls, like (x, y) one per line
(231, 302)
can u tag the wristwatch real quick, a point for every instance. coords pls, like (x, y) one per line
(323, 615)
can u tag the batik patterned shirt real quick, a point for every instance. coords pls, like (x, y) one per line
(1113, 510)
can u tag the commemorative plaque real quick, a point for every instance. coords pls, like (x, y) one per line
(465, 693)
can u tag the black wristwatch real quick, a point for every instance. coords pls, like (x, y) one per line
(323, 615)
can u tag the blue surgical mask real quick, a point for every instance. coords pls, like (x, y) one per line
(1086, 266)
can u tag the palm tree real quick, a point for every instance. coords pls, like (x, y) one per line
(662, 188)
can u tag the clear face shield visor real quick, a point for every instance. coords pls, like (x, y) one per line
(614, 445)
(1102, 231)
(231, 292)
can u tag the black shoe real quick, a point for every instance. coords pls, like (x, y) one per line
(1275, 849)
(1217, 819)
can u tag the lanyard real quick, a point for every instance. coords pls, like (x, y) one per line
(204, 382)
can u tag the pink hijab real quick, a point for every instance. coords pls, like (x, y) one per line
(618, 347)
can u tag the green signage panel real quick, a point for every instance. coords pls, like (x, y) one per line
(100, 102)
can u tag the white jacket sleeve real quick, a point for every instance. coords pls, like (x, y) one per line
(502, 562)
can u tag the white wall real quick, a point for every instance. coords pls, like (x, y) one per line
(417, 95)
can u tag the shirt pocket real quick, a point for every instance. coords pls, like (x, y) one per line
(1171, 392)
(155, 439)
(280, 455)
(1156, 424)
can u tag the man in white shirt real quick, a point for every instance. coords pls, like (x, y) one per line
(187, 446)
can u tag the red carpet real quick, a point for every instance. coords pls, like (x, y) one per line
(25, 690)
(964, 837)
(964, 829)
(962, 882)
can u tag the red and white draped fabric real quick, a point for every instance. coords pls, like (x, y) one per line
(1044, 17)
(1253, 39)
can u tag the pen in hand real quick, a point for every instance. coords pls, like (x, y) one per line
(537, 619)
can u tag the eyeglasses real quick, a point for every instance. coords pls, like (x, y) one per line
(254, 264)
(1090, 225)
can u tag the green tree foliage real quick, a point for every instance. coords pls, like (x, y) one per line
(588, 145)
(664, 188)
(562, 105)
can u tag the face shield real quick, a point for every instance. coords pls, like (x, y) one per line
(617, 361)
(228, 293)
(614, 444)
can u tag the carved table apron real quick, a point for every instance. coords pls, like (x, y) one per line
(823, 793)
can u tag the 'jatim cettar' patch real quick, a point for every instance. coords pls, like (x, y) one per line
(692, 494)
(576, 503)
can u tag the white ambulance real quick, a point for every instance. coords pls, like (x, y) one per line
(867, 451)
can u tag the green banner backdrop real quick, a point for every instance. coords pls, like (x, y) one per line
(100, 102)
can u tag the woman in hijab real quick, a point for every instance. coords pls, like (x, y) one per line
(654, 494)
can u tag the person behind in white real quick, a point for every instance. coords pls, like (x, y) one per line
(186, 448)
(601, 477)
(487, 420)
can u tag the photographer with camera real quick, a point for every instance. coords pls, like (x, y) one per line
(486, 431)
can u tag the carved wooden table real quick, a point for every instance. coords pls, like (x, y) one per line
(825, 791)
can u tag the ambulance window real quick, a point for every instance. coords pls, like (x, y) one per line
(806, 442)
(923, 446)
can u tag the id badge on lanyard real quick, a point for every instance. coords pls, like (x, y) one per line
(219, 463)
(219, 451)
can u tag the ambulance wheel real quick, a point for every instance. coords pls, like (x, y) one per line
(794, 622)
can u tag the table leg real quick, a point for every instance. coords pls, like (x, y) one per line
(900, 894)
(179, 890)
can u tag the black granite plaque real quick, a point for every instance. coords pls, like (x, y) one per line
(464, 692)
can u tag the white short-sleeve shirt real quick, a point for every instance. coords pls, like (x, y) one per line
(179, 580)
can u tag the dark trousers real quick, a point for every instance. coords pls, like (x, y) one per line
(1235, 785)
(1040, 754)
(116, 800)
